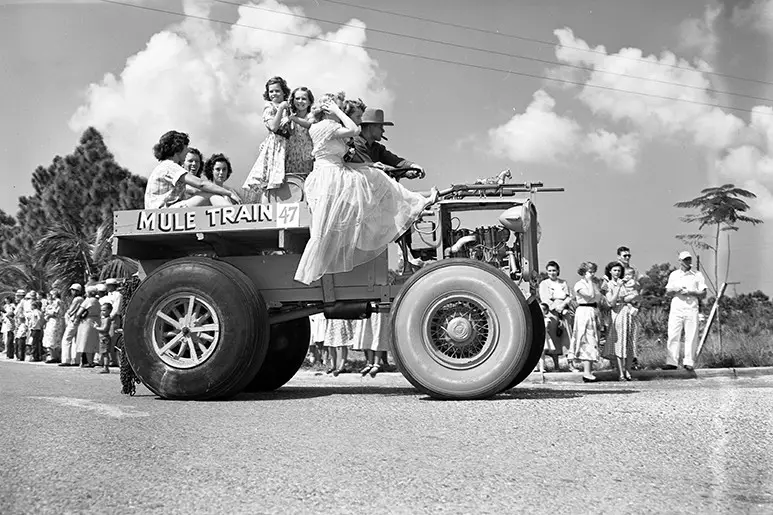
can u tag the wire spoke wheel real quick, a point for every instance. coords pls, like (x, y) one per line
(196, 329)
(460, 330)
(186, 330)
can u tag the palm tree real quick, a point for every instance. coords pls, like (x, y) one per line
(723, 207)
(72, 255)
(21, 272)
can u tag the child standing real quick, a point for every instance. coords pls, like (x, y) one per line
(105, 339)
(35, 323)
(268, 172)
(298, 156)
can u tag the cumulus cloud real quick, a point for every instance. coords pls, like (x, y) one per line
(664, 110)
(539, 135)
(208, 80)
(617, 152)
(757, 14)
(698, 35)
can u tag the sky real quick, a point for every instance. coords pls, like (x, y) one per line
(629, 108)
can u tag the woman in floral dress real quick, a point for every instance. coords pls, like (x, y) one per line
(298, 159)
(268, 172)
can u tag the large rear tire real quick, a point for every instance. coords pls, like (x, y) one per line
(461, 329)
(196, 329)
(287, 348)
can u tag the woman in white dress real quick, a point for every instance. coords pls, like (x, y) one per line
(52, 333)
(87, 338)
(355, 211)
(585, 337)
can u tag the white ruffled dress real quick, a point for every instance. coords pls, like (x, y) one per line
(356, 211)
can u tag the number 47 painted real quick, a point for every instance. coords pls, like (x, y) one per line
(287, 215)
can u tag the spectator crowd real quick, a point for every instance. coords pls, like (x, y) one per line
(598, 317)
(81, 332)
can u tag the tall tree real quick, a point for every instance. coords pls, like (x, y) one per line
(723, 207)
(74, 195)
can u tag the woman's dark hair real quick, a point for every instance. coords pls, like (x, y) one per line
(210, 166)
(282, 84)
(56, 294)
(553, 264)
(585, 267)
(309, 95)
(610, 266)
(197, 152)
(169, 144)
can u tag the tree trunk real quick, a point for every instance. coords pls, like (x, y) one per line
(716, 294)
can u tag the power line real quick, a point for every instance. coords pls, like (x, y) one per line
(434, 59)
(506, 54)
(534, 40)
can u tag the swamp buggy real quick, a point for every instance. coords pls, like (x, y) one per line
(218, 312)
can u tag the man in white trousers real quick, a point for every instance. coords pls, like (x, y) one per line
(689, 286)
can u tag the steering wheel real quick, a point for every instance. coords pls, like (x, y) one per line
(399, 173)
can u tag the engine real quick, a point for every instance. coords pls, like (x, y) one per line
(489, 244)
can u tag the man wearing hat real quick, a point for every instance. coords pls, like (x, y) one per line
(71, 327)
(688, 286)
(367, 148)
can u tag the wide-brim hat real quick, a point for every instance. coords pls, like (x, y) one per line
(76, 286)
(374, 116)
(111, 281)
(20, 292)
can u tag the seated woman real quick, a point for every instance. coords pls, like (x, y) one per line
(355, 212)
(218, 169)
(194, 165)
(167, 181)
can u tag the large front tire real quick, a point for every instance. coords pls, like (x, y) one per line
(461, 329)
(287, 348)
(196, 329)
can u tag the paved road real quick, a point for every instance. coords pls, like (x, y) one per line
(350, 445)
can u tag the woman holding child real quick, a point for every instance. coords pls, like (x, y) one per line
(621, 296)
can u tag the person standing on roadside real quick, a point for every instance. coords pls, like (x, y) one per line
(20, 325)
(624, 258)
(115, 298)
(689, 286)
(9, 307)
(71, 327)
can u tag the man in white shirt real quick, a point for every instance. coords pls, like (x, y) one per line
(689, 286)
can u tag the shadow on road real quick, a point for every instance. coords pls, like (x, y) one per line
(550, 393)
(307, 392)
(300, 392)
